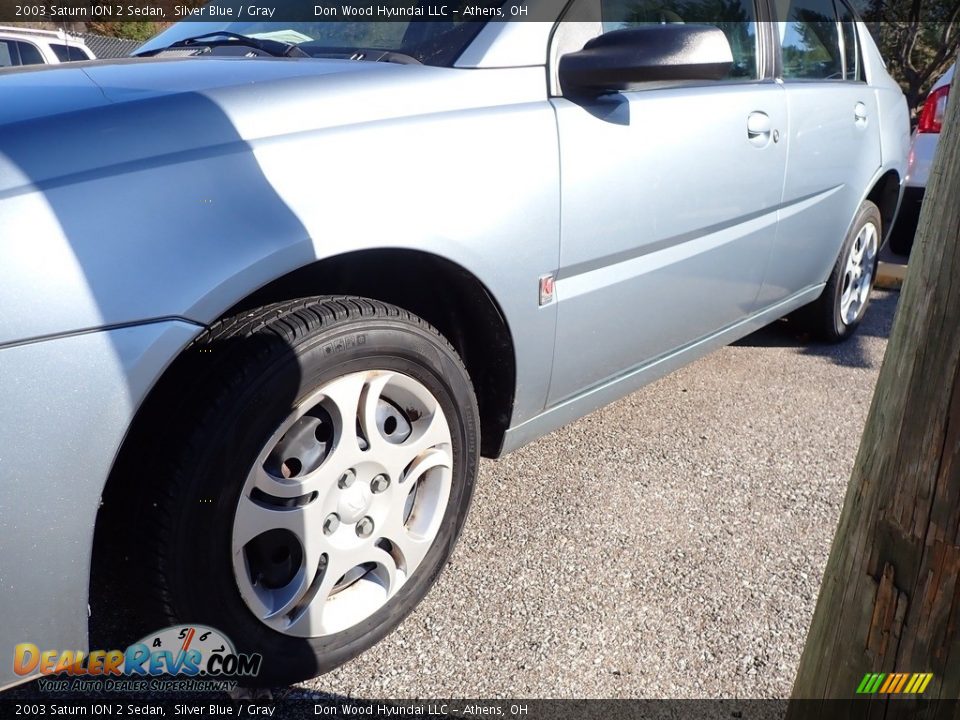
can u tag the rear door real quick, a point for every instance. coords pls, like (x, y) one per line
(669, 199)
(833, 141)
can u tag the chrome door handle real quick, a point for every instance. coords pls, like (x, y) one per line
(860, 114)
(759, 129)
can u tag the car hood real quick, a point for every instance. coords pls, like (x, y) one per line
(33, 92)
(92, 119)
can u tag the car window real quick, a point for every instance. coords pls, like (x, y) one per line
(8, 53)
(67, 53)
(736, 18)
(852, 67)
(61, 51)
(810, 39)
(432, 43)
(29, 54)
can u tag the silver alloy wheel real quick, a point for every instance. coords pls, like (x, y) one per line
(858, 274)
(343, 503)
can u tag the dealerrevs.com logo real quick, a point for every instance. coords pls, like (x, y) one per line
(180, 651)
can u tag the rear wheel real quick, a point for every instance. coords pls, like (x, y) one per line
(835, 315)
(323, 474)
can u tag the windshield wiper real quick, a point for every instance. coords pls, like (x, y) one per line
(276, 48)
(366, 54)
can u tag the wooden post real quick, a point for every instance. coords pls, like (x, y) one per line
(890, 598)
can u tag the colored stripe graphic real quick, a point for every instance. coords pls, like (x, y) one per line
(894, 683)
(914, 683)
(891, 681)
(862, 687)
(903, 681)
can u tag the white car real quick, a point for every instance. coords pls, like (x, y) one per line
(26, 46)
(922, 150)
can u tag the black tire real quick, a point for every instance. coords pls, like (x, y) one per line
(823, 317)
(245, 374)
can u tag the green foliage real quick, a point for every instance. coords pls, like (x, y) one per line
(919, 40)
(129, 30)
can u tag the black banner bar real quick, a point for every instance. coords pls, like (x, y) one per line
(279, 11)
(68, 11)
(332, 707)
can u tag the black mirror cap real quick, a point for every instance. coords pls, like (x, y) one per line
(626, 59)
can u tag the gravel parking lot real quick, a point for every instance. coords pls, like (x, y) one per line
(669, 545)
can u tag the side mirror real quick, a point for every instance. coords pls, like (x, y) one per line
(625, 59)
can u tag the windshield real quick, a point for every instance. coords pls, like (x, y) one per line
(432, 42)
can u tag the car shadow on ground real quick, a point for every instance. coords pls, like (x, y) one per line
(786, 333)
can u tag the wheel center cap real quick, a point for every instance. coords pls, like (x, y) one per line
(354, 502)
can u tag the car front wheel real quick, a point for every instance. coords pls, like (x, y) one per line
(327, 458)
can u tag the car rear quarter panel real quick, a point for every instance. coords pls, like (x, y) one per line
(893, 113)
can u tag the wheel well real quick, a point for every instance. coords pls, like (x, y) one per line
(444, 294)
(441, 292)
(885, 195)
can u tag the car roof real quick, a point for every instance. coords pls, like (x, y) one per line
(44, 36)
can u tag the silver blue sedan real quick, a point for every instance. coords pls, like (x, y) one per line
(270, 290)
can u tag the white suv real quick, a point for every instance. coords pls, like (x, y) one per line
(26, 46)
(922, 150)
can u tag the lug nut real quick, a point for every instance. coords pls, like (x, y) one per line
(379, 484)
(331, 523)
(365, 527)
(346, 480)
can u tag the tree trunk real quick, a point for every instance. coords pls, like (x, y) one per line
(914, 99)
(890, 599)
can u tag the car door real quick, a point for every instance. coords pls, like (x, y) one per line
(669, 198)
(833, 144)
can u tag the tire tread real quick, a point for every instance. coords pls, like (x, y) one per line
(288, 322)
(818, 317)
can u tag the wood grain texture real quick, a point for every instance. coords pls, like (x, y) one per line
(890, 598)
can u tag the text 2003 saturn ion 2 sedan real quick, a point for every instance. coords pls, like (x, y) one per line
(273, 291)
